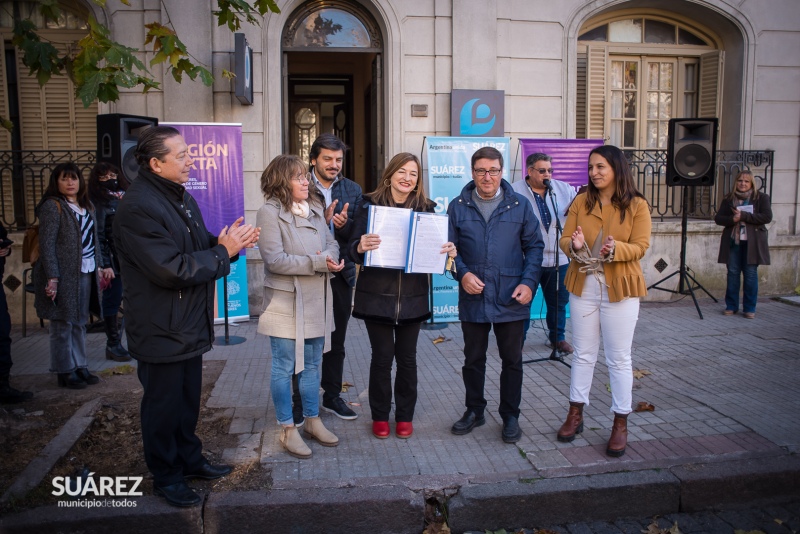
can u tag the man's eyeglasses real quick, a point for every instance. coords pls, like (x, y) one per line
(303, 178)
(494, 173)
(544, 171)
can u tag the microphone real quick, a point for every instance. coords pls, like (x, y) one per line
(548, 185)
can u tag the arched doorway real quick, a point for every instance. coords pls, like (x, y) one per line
(332, 83)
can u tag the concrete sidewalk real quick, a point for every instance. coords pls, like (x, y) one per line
(724, 430)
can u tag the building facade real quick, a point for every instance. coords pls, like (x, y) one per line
(379, 73)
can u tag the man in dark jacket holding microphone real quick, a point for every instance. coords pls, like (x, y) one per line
(171, 261)
(498, 264)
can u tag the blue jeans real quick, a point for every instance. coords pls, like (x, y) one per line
(68, 339)
(548, 285)
(308, 380)
(737, 266)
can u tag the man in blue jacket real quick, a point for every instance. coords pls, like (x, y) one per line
(498, 264)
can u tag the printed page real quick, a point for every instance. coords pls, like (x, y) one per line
(393, 226)
(429, 233)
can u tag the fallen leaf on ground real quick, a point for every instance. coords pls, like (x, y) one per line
(608, 387)
(440, 339)
(354, 403)
(640, 373)
(346, 386)
(643, 406)
(118, 370)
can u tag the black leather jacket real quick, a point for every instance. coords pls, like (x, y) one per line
(388, 296)
(104, 216)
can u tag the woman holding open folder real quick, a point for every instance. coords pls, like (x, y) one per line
(392, 303)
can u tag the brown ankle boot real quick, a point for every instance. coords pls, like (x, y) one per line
(574, 423)
(619, 436)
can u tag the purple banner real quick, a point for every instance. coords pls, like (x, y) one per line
(570, 157)
(217, 183)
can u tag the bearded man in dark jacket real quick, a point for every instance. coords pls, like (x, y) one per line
(171, 261)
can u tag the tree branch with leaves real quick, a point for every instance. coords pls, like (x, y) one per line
(99, 66)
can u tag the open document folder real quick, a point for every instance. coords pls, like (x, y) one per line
(410, 240)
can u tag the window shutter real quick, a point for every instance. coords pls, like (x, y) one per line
(580, 98)
(597, 57)
(5, 136)
(31, 114)
(710, 90)
(51, 118)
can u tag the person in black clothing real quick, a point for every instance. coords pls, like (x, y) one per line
(171, 262)
(7, 393)
(342, 198)
(392, 303)
(106, 187)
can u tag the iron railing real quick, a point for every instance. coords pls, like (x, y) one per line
(24, 175)
(649, 169)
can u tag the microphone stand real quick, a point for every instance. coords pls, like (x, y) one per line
(554, 354)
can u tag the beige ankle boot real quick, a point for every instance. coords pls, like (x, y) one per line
(293, 443)
(315, 429)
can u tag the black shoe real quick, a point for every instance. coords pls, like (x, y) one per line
(70, 380)
(9, 395)
(511, 430)
(210, 472)
(84, 374)
(118, 353)
(178, 494)
(467, 422)
(339, 408)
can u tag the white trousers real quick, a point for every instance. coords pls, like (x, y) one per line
(592, 314)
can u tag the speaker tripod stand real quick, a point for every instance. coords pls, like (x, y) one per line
(685, 280)
(555, 356)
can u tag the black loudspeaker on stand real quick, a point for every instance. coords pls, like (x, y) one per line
(555, 356)
(117, 137)
(691, 162)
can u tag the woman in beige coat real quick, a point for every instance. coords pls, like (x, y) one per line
(299, 254)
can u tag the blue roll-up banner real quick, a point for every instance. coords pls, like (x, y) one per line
(449, 170)
(217, 184)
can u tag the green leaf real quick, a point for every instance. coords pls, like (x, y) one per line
(158, 58)
(228, 74)
(266, 5)
(108, 92)
(49, 9)
(88, 91)
(7, 124)
(205, 76)
(43, 76)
